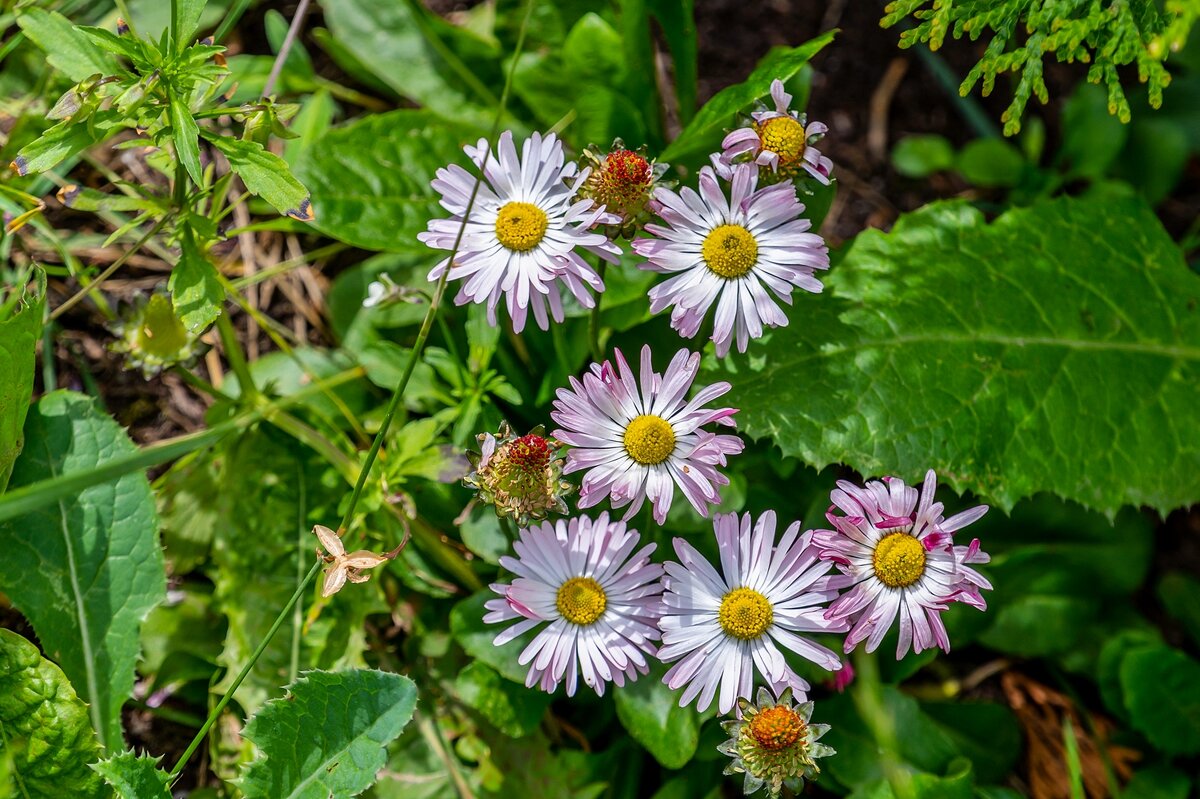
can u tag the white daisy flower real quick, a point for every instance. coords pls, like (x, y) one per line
(722, 628)
(731, 253)
(524, 228)
(640, 444)
(781, 141)
(599, 602)
(896, 550)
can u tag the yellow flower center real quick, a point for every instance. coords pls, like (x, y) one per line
(730, 251)
(783, 136)
(649, 439)
(776, 728)
(521, 226)
(745, 614)
(581, 600)
(899, 560)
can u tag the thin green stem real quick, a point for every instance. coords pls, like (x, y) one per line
(236, 357)
(594, 321)
(230, 20)
(301, 546)
(237, 683)
(107, 273)
(867, 694)
(389, 414)
(26, 499)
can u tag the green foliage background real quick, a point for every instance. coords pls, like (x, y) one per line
(1036, 343)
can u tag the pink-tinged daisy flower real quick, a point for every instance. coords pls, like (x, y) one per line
(722, 628)
(733, 253)
(524, 229)
(896, 550)
(638, 444)
(599, 600)
(780, 140)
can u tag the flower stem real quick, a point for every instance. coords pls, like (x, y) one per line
(594, 321)
(867, 694)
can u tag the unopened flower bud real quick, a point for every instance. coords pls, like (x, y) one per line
(520, 476)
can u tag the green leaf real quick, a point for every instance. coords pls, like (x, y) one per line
(650, 711)
(512, 709)
(370, 178)
(1092, 137)
(44, 726)
(326, 739)
(1157, 782)
(135, 776)
(186, 135)
(990, 163)
(196, 291)
(676, 19)
(583, 81)
(266, 175)
(67, 49)
(1179, 594)
(417, 55)
(86, 570)
(921, 156)
(185, 16)
(970, 348)
(935, 737)
(19, 334)
(1162, 693)
(704, 133)
(63, 141)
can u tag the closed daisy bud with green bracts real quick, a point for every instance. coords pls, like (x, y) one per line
(773, 743)
(520, 475)
(152, 338)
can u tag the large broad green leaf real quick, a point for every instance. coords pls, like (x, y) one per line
(67, 49)
(1162, 693)
(1055, 349)
(86, 570)
(650, 711)
(135, 776)
(44, 728)
(703, 134)
(327, 739)
(418, 55)
(20, 330)
(370, 179)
